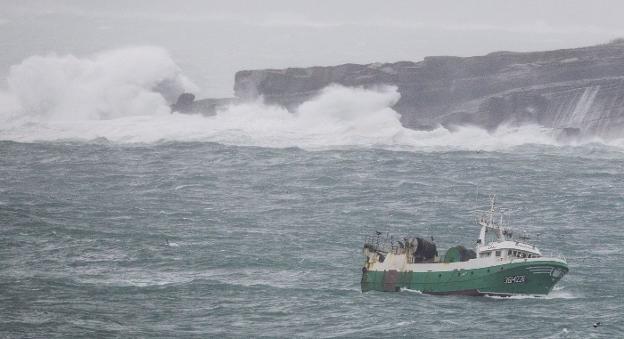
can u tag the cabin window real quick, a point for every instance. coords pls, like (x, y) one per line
(498, 253)
(509, 252)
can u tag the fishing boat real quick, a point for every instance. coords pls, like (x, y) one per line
(499, 265)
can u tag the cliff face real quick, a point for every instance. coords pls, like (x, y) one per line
(580, 91)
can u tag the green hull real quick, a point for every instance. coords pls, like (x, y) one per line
(527, 277)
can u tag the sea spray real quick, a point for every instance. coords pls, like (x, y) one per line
(112, 84)
(124, 96)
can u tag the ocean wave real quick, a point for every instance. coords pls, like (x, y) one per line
(123, 96)
(134, 81)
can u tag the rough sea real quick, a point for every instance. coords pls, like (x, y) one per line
(190, 239)
(119, 219)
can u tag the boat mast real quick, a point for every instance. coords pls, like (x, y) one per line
(492, 203)
(488, 222)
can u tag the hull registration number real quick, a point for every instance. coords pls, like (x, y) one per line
(516, 279)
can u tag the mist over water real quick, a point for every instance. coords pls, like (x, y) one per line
(124, 95)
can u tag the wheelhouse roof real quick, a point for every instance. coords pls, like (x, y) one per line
(509, 245)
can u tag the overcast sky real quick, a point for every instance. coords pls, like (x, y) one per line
(211, 40)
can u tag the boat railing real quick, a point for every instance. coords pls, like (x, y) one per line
(556, 255)
(382, 243)
(377, 243)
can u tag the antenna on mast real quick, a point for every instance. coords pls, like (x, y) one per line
(492, 204)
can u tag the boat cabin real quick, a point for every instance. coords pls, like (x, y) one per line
(508, 250)
(495, 240)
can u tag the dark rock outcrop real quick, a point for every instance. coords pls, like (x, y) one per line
(580, 91)
(186, 103)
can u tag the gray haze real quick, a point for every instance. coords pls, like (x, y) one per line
(211, 40)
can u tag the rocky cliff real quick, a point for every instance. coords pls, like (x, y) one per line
(580, 91)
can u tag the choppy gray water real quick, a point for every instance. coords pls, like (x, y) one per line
(267, 242)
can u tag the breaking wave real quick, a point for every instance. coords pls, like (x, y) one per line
(135, 81)
(124, 96)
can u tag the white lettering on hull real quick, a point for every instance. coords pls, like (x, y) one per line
(516, 279)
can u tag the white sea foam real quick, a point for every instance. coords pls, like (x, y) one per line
(173, 244)
(557, 293)
(139, 279)
(124, 96)
(410, 290)
(135, 81)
